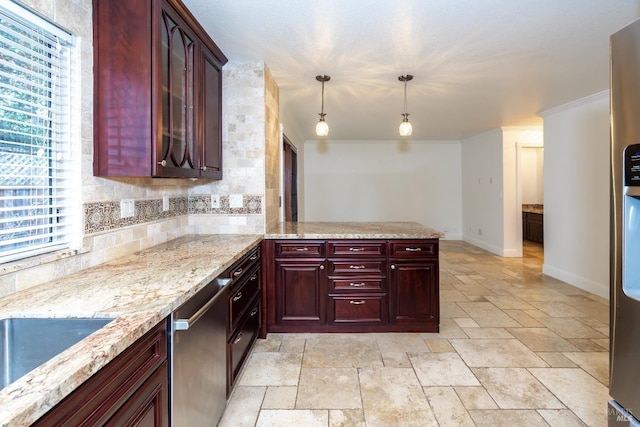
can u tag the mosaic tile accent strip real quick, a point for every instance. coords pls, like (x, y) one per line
(105, 216)
(251, 205)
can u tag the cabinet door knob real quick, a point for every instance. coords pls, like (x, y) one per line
(322, 267)
(238, 338)
(356, 302)
(238, 296)
(204, 168)
(393, 266)
(163, 163)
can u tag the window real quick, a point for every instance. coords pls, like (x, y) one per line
(37, 190)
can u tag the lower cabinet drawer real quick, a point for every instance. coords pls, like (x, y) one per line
(357, 284)
(413, 248)
(369, 309)
(357, 267)
(240, 342)
(242, 296)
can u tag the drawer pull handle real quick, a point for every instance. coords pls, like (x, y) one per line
(254, 257)
(356, 302)
(254, 312)
(413, 249)
(357, 267)
(356, 249)
(238, 338)
(237, 297)
(237, 272)
(254, 277)
(305, 249)
(357, 285)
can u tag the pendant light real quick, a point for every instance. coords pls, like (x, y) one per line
(405, 128)
(322, 128)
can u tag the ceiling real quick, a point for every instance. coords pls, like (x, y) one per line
(477, 65)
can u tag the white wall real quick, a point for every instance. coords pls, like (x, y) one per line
(532, 174)
(491, 195)
(384, 181)
(482, 205)
(576, 188)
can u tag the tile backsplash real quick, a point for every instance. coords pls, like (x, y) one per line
(105, 216)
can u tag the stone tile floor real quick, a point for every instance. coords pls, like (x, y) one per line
(515, 348)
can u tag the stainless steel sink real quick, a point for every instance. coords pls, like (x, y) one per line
(29, 342)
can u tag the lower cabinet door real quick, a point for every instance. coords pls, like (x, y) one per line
(300, 292)
(148, 406)
(414, 291)
(361, 309)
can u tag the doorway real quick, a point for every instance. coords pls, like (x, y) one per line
(290, 181)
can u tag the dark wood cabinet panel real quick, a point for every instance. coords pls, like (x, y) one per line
(211, 120)
(359, 267)
(359, 309)
(131, 389)
(148, 405)
(413, 249)
(533, 226)
(299, 248)
(157, 92)
(300, 292)
(245, 317)
(355, 248)
(240, 343)
(414, 291)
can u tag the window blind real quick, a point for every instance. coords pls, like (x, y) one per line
(36, 182)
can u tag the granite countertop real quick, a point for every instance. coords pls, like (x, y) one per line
(137, 291)
(538, 209)
(352, 230)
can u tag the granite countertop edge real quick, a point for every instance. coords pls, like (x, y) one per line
(138, 291)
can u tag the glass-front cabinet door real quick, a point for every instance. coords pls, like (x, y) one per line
(175, 153)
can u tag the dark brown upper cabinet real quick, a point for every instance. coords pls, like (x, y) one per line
(157, 92)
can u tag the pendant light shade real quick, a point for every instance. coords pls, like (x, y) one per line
(322, 128)
(405, 128)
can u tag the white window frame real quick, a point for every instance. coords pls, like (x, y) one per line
(40, 159)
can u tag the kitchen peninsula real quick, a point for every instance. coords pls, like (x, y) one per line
(351, 277)
(364, 277)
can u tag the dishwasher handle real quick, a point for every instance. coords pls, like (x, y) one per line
(185, 324)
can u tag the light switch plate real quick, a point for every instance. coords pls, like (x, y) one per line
(235, 201)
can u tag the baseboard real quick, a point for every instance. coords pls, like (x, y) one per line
(484, 245)
(577, 281)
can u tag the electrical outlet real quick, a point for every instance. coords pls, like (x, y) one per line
(127, 208)
(479, 231)
(215, 201)
(165, 203)
(235, 201)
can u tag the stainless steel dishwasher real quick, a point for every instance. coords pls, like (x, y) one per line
(198, 357)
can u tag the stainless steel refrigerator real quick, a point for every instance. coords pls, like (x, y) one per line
(624, 367)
